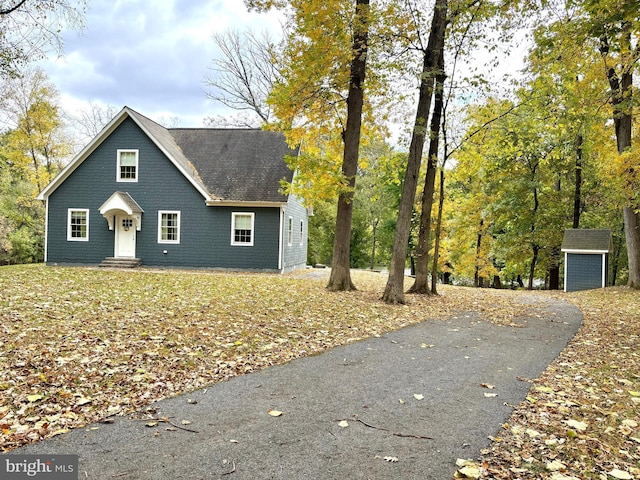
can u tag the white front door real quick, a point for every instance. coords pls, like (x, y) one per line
(125, 237)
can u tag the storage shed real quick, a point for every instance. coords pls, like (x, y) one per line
(586, 258)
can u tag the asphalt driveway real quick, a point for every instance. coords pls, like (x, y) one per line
(413, 401)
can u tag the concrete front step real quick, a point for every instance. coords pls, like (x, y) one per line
(113, 262)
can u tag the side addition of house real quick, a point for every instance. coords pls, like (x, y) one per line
(203, 198)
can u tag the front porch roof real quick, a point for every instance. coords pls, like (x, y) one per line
(121, 202)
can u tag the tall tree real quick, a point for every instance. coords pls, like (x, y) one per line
(394, 289)
(421, 283)
(321, 94)
(619, 69)
(340, 278)
(610, 27)
(37, 145)
(29, 29)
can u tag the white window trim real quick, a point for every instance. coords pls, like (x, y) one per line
(301, 232)
(77, 239)
(290, 231)
(127, 180)
(233, 229)
(165, 212)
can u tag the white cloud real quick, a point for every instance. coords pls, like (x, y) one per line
(152, 55)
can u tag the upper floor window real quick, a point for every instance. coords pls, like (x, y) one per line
(78, 225)
(127, 166)
(242, 229)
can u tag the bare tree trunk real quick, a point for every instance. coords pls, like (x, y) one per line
(621, 90)
(394, 290)
(340, 278)
(421, 283)
(436, 248)
(534, 260)
(374, 226)
(577, 192)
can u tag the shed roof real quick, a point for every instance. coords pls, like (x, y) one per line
(587, 240)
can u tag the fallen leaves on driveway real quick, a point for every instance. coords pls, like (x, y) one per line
(585, 407)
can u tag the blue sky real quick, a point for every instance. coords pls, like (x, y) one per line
(151, 55)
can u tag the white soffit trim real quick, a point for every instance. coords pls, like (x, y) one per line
(598, 252)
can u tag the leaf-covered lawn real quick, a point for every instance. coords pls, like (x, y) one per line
(80, 345)
(580, 420)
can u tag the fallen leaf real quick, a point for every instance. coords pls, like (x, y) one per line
(275, 413)
(391, 459)
(418, 396)
(580, 426)
(185, 422)
(470, 471)
(562, 476)
(490, 395)
(544, 389)
(487, 385)
(620, 474)
(83, 401)
(555, 466)
(152, 423)
(343, 424)
(34, 398)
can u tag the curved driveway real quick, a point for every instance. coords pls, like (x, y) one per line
(422, 381)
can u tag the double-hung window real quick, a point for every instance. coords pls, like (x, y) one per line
(168, 226)
(127, 166)
(290, 232)
(78, 225)
(242, 229)
(301, 232)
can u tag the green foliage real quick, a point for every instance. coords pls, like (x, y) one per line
(31, 154)
(321, 226)
(21, 220)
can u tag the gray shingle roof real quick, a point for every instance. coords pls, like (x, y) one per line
(244, 165)
(237, 164)
(587, 239)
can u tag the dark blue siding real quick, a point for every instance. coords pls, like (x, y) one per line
(205, 232)
(583, 272)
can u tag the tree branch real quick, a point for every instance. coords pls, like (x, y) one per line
(12, 9)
